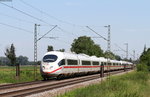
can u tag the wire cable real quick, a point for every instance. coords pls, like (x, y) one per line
(16, 27)
(47, 32)
(16, 18)
(62, 21)
(26, 13)
(97, 33)
(66, 31)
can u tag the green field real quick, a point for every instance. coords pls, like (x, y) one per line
(8, 74)
(134, 84)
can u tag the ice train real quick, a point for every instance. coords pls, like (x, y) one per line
(62, 64)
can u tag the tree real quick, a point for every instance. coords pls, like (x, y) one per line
(61, 50)
(142, 67)
(144, 51)
(23, 60)
(97, 51)
(87, 46)
(117, 57)
(10, 54)
(50, 48)
(145, 57)
(109, 55)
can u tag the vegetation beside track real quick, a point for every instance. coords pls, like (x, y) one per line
(134, 84)
(8, 74)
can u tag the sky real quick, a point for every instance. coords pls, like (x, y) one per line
(129, 20)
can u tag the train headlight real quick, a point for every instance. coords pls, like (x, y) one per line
(43, 67)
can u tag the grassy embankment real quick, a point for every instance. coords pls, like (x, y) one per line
(8, 74)
(134, 84)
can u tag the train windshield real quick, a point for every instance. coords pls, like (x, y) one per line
(50, 58)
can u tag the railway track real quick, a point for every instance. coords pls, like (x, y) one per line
(44, 86)
(7, 86)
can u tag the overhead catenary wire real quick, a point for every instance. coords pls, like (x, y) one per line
(33, 33)
(16, 27)
(97, 33)
(51, 37)
(65, 42)
(123, 49)
(26, 14)
(120, 47)
(106, 39)
(59, 20)
(57, 39)
(47, 32)
(39, 19)
(66, 31)
(2, 14)
(34, 17)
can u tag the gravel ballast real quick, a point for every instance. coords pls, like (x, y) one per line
(55, 92)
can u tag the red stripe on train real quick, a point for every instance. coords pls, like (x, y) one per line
(88, 66)
(54, 70)
(81, 67)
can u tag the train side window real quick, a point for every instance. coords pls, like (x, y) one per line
(95, 63)
(86, 63)
(72, 62)
(62, 62)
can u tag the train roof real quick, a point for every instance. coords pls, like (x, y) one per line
(71, 55)
(115, 61)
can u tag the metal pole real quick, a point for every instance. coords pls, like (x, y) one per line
(109, 42)
(134, 55)
(35, 51)
(109, 39)
(108, 50)
(102, 70)
(126, 50)
(35, 47)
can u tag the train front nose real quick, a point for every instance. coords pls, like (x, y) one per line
(49, 62)
(47, 67)
(46, 70)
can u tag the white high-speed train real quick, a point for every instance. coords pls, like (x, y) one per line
(62, 64)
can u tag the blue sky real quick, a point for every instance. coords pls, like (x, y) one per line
(129, 20)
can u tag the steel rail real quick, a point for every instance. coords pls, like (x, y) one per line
(25, 92)
(58, 84)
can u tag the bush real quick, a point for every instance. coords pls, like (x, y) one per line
(142, 67)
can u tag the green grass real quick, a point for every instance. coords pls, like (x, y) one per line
(135, 84)
(8, 74)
